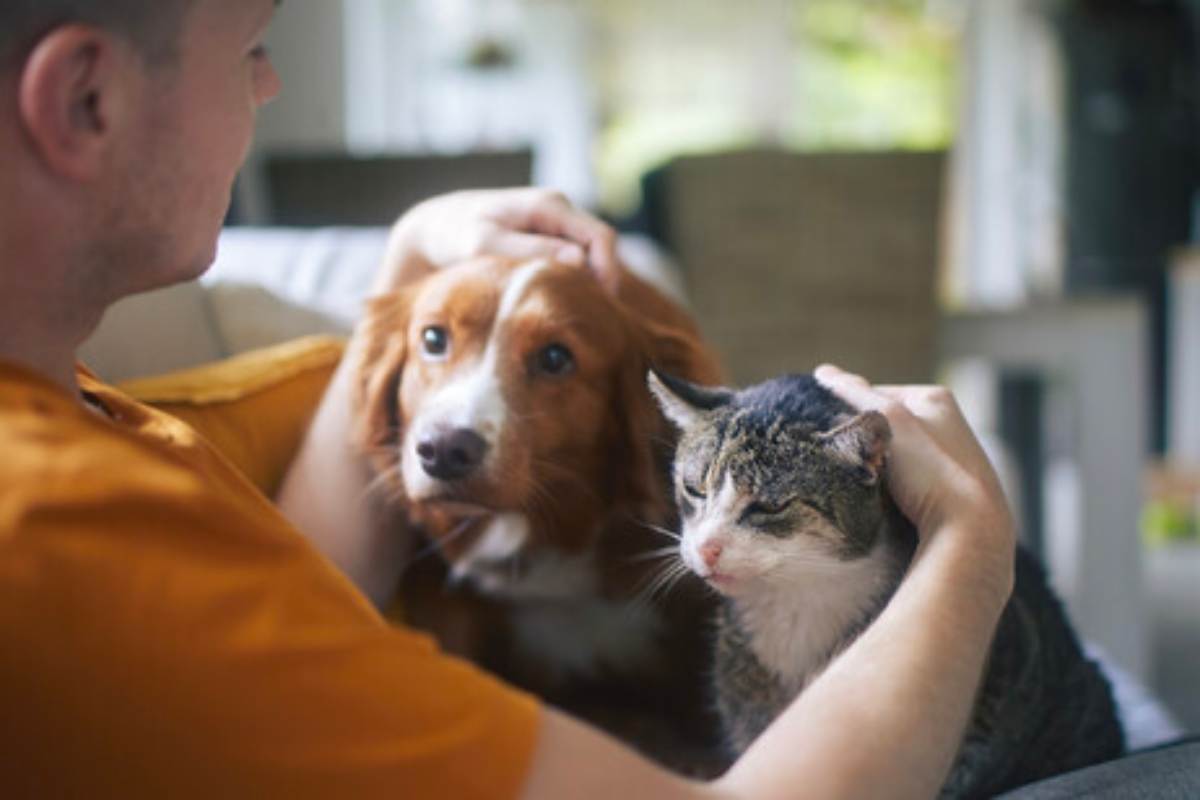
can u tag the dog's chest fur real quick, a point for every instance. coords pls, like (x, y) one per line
(588, 637)
(561, 617)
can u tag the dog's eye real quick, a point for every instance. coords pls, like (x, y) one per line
(554, 359)
(435, 340)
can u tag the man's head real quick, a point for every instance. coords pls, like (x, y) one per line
(151, 26)
(127, 121)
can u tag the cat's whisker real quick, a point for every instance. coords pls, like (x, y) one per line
(661, 552)
(666, 579)
(660, 529)
(675, 578)
(660, 576)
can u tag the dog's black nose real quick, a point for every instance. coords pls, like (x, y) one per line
(452, 455)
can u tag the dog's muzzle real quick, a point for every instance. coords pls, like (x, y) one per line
(452, 455)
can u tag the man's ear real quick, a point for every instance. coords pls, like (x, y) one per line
(861, 442)
(71, 93)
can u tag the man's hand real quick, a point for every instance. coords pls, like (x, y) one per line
(937, 472)
(516, 223)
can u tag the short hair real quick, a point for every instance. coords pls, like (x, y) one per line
(151, 26)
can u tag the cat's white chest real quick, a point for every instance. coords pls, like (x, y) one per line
(795, 630)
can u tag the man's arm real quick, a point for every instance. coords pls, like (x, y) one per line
(327, 495)
(885, 720)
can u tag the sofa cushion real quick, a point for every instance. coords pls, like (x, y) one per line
(254, 407)
(153, 332)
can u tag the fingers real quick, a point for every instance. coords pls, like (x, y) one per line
(923, 400)
(513, 244)
(516, 223)
(850, 387)
(927, 403)
(932, 410)
(550, 213)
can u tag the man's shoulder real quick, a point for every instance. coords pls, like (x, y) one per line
(52, 442)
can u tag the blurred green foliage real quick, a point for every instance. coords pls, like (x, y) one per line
(1164, 522)
(862, 74)
(874, 75)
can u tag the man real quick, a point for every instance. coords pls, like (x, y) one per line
(167, 631)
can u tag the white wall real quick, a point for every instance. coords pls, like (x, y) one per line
(307, 46)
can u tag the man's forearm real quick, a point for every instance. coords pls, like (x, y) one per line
(884, 720)
(887, 716)
(326, 495)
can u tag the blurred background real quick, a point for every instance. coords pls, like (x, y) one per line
(1001, 194)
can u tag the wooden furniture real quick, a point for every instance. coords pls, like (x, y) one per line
(792, 259)
(1095, 351)
(320, 189)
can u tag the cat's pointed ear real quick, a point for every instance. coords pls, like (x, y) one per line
(861, 442)
(684, 402)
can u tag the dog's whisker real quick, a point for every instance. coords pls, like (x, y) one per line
(436, 545)
(539, 491)
(554, 478)
(387, 479)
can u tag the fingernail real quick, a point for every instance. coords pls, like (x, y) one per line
(571, 255)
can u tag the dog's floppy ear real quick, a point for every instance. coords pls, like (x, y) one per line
(668, 341)
(379, 365)
(643, 444)
(671, 342)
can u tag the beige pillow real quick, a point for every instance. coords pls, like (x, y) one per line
(154, 332)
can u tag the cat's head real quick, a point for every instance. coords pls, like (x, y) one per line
(776, 483)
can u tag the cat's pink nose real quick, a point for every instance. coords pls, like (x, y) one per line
(710, 553)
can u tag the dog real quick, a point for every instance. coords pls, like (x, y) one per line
(503, 406)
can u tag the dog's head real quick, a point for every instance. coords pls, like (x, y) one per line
(504, 404)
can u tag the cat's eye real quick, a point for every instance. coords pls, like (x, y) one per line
(691, 491)
(761, 508)
(435, 341)
(819, 508)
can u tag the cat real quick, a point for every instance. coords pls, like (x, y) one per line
(786, 514)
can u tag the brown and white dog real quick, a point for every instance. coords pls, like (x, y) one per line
(504, 406)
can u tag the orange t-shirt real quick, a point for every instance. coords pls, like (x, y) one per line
(164, 631)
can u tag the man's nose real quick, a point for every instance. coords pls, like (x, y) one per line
(268, 84)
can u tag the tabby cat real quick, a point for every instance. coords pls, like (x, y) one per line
(786, 514)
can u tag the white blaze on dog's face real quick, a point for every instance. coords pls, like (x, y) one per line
(510, 412)
(470, 398)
